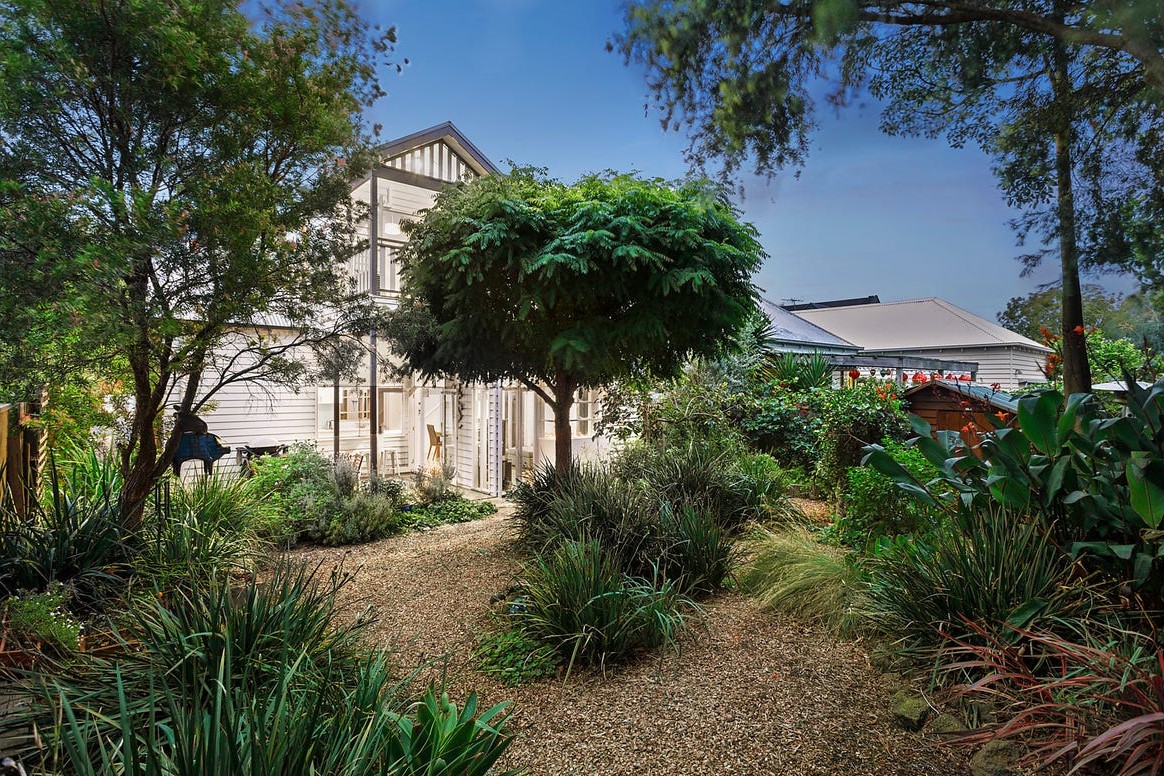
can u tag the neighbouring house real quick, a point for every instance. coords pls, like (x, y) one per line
(932, 329)
(789, 333)
(489, 434)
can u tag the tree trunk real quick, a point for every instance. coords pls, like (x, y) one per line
(563, 433)
(1076, 371)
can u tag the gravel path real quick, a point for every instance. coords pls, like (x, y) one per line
(750, 695)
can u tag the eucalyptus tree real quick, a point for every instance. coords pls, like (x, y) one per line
(1058, 92)
(562, 287)
(170, 168)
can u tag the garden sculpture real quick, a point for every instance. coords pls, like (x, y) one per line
(197, 443)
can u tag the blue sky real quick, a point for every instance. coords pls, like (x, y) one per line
(530, 81)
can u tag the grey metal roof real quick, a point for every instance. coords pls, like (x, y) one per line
(790, 329)
(915, 324)
(984, 393)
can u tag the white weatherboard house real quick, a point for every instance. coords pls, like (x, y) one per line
(934, 328)
(489, 433)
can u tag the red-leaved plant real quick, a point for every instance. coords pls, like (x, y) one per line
(1085, 703)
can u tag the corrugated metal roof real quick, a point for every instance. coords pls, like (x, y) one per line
(914, 324)
(791, 329)
(984, 393)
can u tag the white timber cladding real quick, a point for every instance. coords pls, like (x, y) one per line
(243, 412)
(434, 160)
(494, 446)
(466, 439)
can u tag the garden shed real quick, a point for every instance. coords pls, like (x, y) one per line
(962, 406)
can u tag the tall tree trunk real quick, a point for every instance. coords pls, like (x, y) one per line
(563, 433)
(1076, 371)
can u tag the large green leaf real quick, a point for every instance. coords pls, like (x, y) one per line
(1038, 416)
(1146, 487)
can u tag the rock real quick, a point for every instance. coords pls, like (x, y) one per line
(997, 758)
(947, 725)
(980, 712)
(909, 710)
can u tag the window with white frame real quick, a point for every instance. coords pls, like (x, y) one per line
(354, 404)
(583, 414)
(388, 266)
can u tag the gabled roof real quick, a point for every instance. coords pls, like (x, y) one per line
(789, 329)
(976, 391)
(915, 324)
(446, 133)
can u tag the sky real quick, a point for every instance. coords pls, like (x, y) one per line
(530, 81)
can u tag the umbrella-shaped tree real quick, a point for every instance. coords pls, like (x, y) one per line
(563, 287)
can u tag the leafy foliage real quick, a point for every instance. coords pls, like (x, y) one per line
(77, 540)
(1082, 699)
(578, 601)
(499, 282)
(871, 506)
(1091, 482)
(514, 658)
(252, 680)
(41, 620)
(999, 568)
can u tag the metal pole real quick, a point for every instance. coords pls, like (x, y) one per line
(374, 290)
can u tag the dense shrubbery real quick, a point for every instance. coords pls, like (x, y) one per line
(618, 549)
(255, 679)
(317, 500)
(578, 600)
(871, 506)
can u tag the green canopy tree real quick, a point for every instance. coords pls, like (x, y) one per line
(562, 287)
(1056, 91)
(1028, 315)
(169, 170)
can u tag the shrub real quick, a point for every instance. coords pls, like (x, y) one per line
(362, 517)
(872, 506)
(514, 658)
(1090, 700)
(587, 502)
(76, 541)
(300, 489)
(850, 420)
(999, 567)
(42, 620)
(1090, 480)
(698, 554)
(704, 477)
(784, 424)
(435, 484)
(578, 601)
(449, 511)
(790, 571)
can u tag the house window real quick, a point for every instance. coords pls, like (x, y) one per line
(392, 411)
(354, 404)
(388, 266)
(583, 414)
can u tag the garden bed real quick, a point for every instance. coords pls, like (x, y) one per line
(752, 693)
